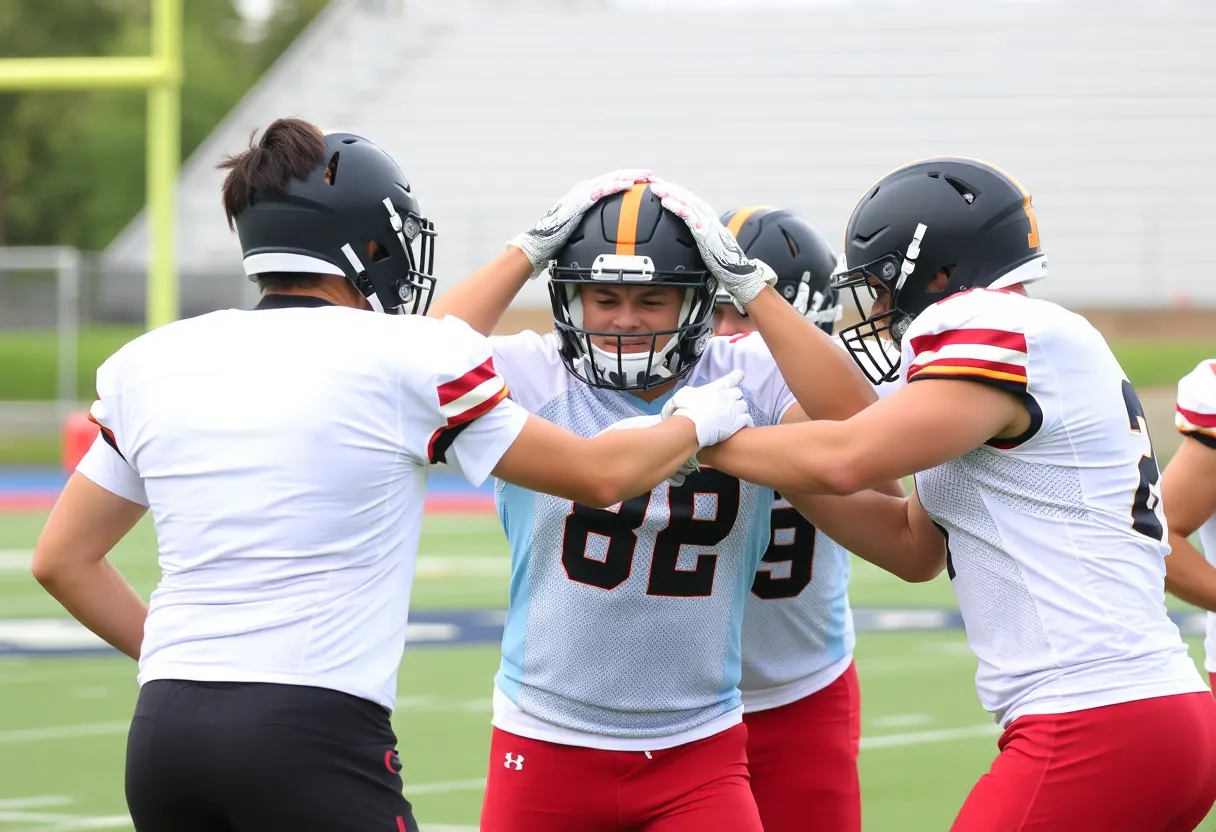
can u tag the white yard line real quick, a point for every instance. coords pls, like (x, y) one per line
(431, 567)
(26, 676)
(41, 802)
(63, 732)
(15, 560)
(104, 822)
(41, 819)
(901, 721)
(927, 737)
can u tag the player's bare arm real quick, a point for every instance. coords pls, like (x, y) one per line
(70, 562)
(1188, 494)
(822, 376)
(893, 533)
(600, 471)
(948, 418)
(826, 383)
(481, 298)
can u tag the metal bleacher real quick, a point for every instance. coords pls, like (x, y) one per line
(1105, 110)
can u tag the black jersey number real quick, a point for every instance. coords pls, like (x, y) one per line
(1145, 502)
(798, 551)
(617, 529)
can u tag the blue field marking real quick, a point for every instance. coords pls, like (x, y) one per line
(23, 482)
(444, 628)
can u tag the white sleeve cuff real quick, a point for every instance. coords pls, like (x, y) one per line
(103, 466)
(479, 447)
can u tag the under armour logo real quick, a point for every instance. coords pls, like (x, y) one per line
(514, 761)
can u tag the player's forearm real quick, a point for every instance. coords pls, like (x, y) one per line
(889, 532)
(807, 457)
(823, 378)
(1188, 575)
(628, 463)
(481, 298)
(97, 595)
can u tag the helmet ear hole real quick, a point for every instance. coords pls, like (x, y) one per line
(376, 250)
(940, 281)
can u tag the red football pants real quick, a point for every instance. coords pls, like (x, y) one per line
(803, 760)
(1144, 766)
(537, 786)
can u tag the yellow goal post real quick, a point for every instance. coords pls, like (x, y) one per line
(161, 75)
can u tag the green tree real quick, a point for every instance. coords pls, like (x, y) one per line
(72, 164)
(37, 127)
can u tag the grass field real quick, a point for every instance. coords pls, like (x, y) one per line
(63, 719)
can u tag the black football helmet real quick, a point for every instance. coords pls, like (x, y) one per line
(323, 224)
(630, 239)
(801, 257)
(960, 216)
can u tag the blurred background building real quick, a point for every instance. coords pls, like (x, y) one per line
(1105, 110)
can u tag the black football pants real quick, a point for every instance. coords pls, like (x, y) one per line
(251, 757)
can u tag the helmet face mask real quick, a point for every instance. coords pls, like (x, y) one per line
(925, 232)
(392, 275)
(354, 215)
(629, 241)
(875, 340)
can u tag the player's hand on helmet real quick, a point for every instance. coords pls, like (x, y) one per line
(718, 409)
(541, 242)
(743, 278)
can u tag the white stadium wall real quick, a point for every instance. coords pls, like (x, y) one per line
(1105, 110)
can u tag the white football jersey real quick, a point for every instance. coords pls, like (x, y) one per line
(624, 625)
(798, 633)
(1056, 538)
(1196, 417)
(284, 454)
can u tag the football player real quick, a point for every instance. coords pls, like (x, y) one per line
(283, 454)
(1030, 451)
(799, 685)
(1188, 493)
(617, 704)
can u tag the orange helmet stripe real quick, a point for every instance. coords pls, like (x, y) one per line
(627, 224)
(741, 216)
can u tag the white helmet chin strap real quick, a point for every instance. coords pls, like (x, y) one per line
(634, 365)
(357, 265)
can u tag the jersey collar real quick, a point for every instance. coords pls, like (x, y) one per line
(290, 302)
(654, 408)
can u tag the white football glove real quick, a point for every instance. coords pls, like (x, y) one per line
(741, 277)
(542, 241)
(718, 409)
(676, 479)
